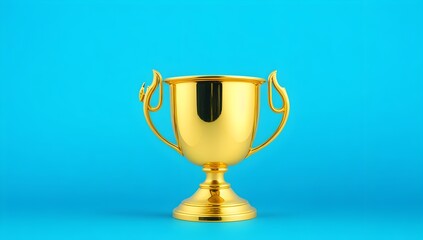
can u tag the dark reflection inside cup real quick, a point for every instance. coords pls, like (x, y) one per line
(209, 100)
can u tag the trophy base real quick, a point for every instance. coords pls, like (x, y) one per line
(214, 201)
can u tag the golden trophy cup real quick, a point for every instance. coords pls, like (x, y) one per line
(214, 120)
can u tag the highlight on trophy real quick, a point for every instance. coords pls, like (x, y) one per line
(214, 119)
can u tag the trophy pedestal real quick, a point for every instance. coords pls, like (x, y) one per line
(214, 201)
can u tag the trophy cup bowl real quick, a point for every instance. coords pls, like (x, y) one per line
(214, 120)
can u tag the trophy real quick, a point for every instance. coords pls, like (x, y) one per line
(214, 119)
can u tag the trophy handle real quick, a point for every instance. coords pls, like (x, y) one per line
(145, 97)
(284, 109)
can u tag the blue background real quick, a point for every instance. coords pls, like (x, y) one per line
(77, 159)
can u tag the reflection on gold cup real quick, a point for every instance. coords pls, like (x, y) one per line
(215, 120)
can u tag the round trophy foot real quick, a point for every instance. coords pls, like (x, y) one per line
(214, 201)
(198, 210)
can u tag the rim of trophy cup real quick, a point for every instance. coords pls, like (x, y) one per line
(218, 78)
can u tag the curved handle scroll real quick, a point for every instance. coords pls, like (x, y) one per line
(145, 97)
(284, 109)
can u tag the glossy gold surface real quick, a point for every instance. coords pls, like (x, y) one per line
(214, 200)
(214, 119)
(145, 96)
(227, 138)
(284, 109)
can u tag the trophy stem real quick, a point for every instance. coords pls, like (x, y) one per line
(214, 201)
(215, 176)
